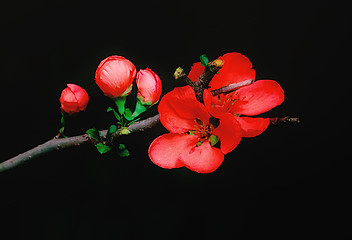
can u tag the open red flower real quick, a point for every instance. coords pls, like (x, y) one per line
(237, 68)
(193, 132)
(257, 98)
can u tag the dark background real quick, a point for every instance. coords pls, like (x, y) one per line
(291, 182)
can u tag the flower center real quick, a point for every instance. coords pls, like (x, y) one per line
(227, 101)
(204, 130)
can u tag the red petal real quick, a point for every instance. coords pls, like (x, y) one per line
(68, 101)
(237, 68)
(80, 94)
(229, 132)
(165, 150)
(211, 104)
(196, 70)
(258, 98)
(252, 127)
(202, 159)
(179, 108)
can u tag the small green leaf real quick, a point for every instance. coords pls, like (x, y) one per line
(102, 148)
(122, 147)
(112, 130)
(95, 134)
(117, 116)
(124, 153)
(128, 114)
(204, 60)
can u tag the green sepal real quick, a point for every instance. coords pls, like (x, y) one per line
(117, 116)
(95, 134)
(111, 130)
(102, 148)
(204, 61)
(120, 103)
(123, 152)
(140, 108)
(128, 114)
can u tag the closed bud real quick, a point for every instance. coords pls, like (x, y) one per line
(149, 87)
(115, 75)
(73, 99)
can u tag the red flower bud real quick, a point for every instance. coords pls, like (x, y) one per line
(149, 86)
(115, 75)
(73, 99)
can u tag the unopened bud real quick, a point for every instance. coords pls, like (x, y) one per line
(149, 86)
(73, 99)
(115, 75)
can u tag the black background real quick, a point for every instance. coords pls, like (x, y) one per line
(291, 182)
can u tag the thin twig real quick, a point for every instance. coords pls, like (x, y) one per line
(277, 120)
(60, 143)
(231, 87)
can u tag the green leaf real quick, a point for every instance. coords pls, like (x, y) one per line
(124, 153)
(204, 60)
(95, 134)
(117, 116)
(103, 148)
(111, 130)
(128, 114)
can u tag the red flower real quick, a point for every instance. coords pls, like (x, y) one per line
(192, 134)
(257, 98)
(115, 75)
(237, 68)
(73, 99)
(149, 86)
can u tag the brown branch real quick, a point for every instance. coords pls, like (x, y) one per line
(203, 80)
(205, 77)
(231, 87)
(180, 74)
(60, 143)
